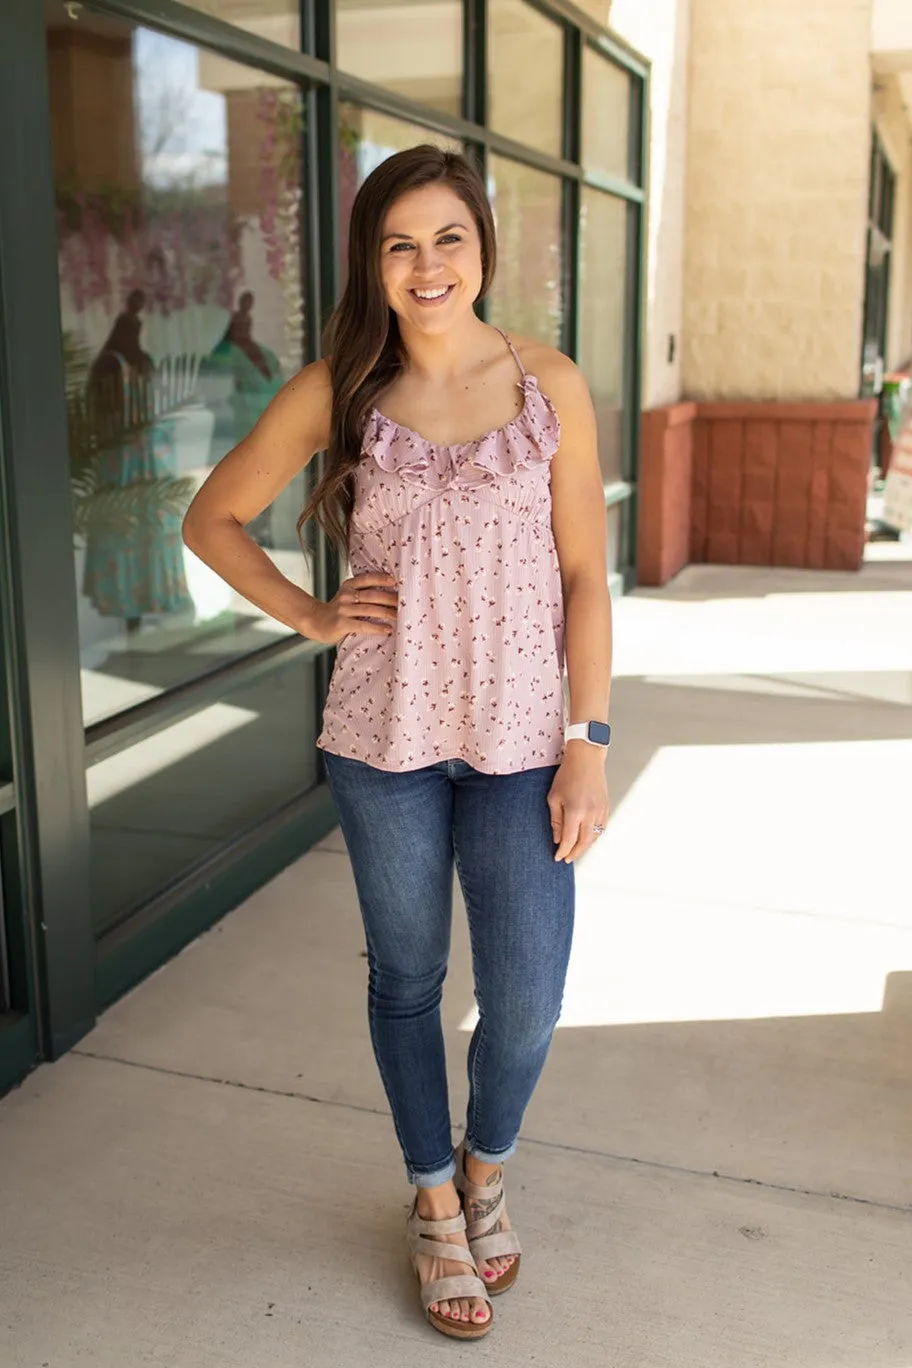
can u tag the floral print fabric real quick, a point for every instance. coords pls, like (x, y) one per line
(474, 668)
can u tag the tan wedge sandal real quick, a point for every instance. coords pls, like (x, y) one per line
(421, 1238)
(485, 1240)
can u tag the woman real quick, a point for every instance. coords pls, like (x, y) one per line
(463, 482)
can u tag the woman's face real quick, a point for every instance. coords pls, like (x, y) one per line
(430, 258)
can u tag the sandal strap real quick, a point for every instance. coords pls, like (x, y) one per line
(436, 1249)
(496, 1246)
(450, 1289)
(450, 1226)
(476, 1191)
(485, 1224)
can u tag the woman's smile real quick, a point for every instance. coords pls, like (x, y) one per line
(431, 296)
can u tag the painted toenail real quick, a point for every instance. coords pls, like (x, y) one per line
(488, 1273)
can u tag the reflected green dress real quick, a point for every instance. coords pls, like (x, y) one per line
(131, 573)
(251, 389)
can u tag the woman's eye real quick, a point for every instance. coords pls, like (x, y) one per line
(401, 247)
(451, 237)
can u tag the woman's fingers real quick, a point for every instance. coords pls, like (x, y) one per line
(568, 837)
(370, 596)
(370, 603)
(557, 821)
(577, 833)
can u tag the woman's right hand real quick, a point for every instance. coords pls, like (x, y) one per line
(366, 604)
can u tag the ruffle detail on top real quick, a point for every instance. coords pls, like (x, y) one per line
(530, 439)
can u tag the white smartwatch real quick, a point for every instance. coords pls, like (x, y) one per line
(596, 733)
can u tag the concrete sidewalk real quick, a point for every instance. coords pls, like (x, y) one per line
(717, 1167)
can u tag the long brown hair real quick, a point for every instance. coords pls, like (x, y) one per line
(362, 339)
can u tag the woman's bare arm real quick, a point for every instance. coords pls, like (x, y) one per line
(579, 798)
(293, 428)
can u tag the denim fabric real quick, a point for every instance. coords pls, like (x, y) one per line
(405, 832)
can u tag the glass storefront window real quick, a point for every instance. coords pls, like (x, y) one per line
(277, 20)
(606, 115)
(414, 50)
(525, 75)
(366, 139)
(165, 803)
(602, 319)
(178, 181)
(527, 294)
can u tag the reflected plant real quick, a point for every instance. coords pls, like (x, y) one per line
(281, 112)
(177, 243)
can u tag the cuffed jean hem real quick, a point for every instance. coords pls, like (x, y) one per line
(488, 1156)
(433, 1177)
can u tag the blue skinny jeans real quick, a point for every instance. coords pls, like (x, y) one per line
(405, 832)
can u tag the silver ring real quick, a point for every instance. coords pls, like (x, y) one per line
(357, 596)
(599, 830)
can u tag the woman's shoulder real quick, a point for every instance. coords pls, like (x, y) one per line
(314, 381)
(558, 377)
(308, 396)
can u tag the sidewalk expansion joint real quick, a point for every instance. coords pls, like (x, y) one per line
(655, 1164)
(229, 1082)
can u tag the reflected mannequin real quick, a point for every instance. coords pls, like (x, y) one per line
(130, 573)
(255, 376)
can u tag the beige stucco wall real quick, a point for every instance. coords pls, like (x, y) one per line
(892, 120)
(659, 30)
(777, 167)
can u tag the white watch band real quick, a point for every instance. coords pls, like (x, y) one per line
(579, 731)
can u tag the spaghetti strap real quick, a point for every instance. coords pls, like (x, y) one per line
(513, 351)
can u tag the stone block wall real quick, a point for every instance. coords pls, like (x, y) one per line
(777, 177)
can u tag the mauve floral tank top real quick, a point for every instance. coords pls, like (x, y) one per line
(474, 668)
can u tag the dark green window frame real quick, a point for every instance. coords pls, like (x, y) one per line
(66, 976)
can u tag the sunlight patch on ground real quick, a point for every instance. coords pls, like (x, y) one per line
(764, 635)
(745, 881)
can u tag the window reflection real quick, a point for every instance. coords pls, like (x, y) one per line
(178, 183)
(527, 295)
(525, 75)
(606, 115)
(165, 803)
(277, 20)
(413, 49)
(602, 319)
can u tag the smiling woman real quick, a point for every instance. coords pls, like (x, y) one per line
(469, 507)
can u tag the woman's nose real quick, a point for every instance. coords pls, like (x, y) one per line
(427, 261)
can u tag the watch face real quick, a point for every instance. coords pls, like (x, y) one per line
(600, 733)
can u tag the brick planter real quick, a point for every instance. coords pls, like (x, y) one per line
(753, 484)
(663, 503)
